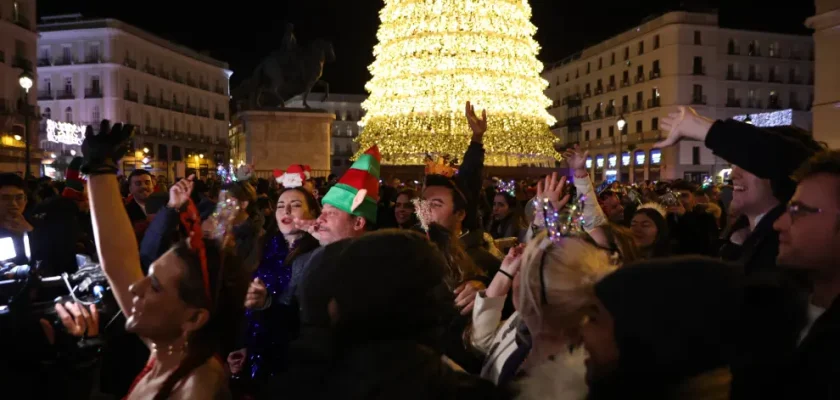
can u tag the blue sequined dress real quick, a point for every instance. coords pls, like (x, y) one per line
(271, 330)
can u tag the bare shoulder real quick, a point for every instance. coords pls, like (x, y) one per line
(205, 382)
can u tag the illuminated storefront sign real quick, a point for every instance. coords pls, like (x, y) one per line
(65, 133)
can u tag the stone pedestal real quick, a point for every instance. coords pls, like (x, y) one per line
(275, 139)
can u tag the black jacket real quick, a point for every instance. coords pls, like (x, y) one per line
(759, 250)
(814, 371)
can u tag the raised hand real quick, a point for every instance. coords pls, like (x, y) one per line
(477, 125)
(179, 194)
(103, 152)
(552, 188)
(684, 124)
(513, 259)
(577, 160)
(78, 320)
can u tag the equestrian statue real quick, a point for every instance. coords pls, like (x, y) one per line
(286, 73)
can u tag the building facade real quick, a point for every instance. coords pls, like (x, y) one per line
(679, 58)
(178, 98)
(826, 26)
(18, 41)
(348, 112)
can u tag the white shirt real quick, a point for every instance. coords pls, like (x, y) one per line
(142, 206)
(814, 313)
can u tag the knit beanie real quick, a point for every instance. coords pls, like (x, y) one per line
(392, 287)
(74, 186)
(357, 192)
(673, 318)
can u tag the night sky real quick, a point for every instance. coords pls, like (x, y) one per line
(241, 32)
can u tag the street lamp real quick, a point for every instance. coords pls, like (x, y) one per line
(201, 155)
(25, 81)
(18, 138)
(621, 123)
(146, 150)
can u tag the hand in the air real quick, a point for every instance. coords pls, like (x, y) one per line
(77, 320)
(577, 160)
(684, 124)
(552, 189)
(477, 125)
(256, 295)
(180, 192)
(513, 260)
(102, 152)
(466, 293)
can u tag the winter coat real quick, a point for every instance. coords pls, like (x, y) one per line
(563, 377)
(495, 338)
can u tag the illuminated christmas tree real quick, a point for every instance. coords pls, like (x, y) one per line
(435, 55)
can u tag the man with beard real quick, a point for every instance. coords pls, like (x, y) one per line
(140, 187)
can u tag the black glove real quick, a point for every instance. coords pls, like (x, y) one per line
(102, 152)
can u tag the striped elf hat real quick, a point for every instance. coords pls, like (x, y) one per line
(357, 192)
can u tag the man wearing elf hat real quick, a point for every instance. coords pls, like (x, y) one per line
(350, 205)
(74, 185)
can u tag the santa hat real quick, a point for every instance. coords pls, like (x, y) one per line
(357, 192)
(74, 185)
(294, 176)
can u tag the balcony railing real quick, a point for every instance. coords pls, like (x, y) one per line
(795, 55)
(149, 69)
(736, 103)
(651, 103)
(638, 107)
(775, 78)
(625, 82)
(219, 90)
(93, 93)
(191, 82)
(44, 62)
(795, 80)
(733, 51)
(610, 112)
(754, 103)
(22, 21)
(219, 116)
(177, 78)
(754, 52)
(191, 110)
(130, 96)
(611, 87)
(128, 62)
(698, 99)
(624, 108)
(655, 74)
(598, 114)
(93, 59)
(733, 76)
(163, 74)
(46, 95)
(152, 131)
(755, 77)
(165, 104)
(204, 112)
(699, 70)
(66, 94)
(639, 79)
(150, 101)
(177, 107)
(64, 61)
(794, 105)
(204, 86)
(774, 104)
(599, 90)
(587, 94)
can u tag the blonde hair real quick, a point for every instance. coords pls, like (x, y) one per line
(565, 273)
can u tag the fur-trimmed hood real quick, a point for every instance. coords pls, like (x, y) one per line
(561, 378)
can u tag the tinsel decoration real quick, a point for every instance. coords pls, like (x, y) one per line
(423, 210)
(222, 218)
(506, 187)
(225, 174)
(669, 199)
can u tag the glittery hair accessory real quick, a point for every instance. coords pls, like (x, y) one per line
(222, 218)
(423, 209)
(560, 223)
(244, 173)
(506, 187)
(669, 199)
(440, 165)
(654, 206)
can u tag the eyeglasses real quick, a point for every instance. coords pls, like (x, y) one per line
(796, 209)
(8, 198)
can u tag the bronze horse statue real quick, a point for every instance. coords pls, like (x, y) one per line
(283, 75)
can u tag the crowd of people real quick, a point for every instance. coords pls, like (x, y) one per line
(459, 286)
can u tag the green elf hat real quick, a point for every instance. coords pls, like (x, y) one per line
(74, 185)
(357, 192)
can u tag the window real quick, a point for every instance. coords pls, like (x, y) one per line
(128, 84)
(794, 102)
(773, 50)
(68, 115)
(589, 162)
(640, 71)
(698, 66)
(128, 116)
(626, 53)
(567, 77)
(148, 121)
(588, 68)
(175, 125)
(611, 131)
(655, 67)
(655, 42)
(94, 52)
(68, 84)
(625, 101)
(47, 85)
(730, 94)
(612, 80)
(94, 84)
(625, 158)
(66, 54)
(655, 156)
(189, 128)
(625, 78)
(732, 47)
(600, 63)
(697, 38)
(47, 113)
(654, 124)
(639, 127)
(612, 59)
(642, 47)
(695, 155)
(586, 136)
(640, 158)
(95, 115)
(599, 161)
(598, 134)
(697, 94)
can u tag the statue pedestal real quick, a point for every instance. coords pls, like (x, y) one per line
(275, 139)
